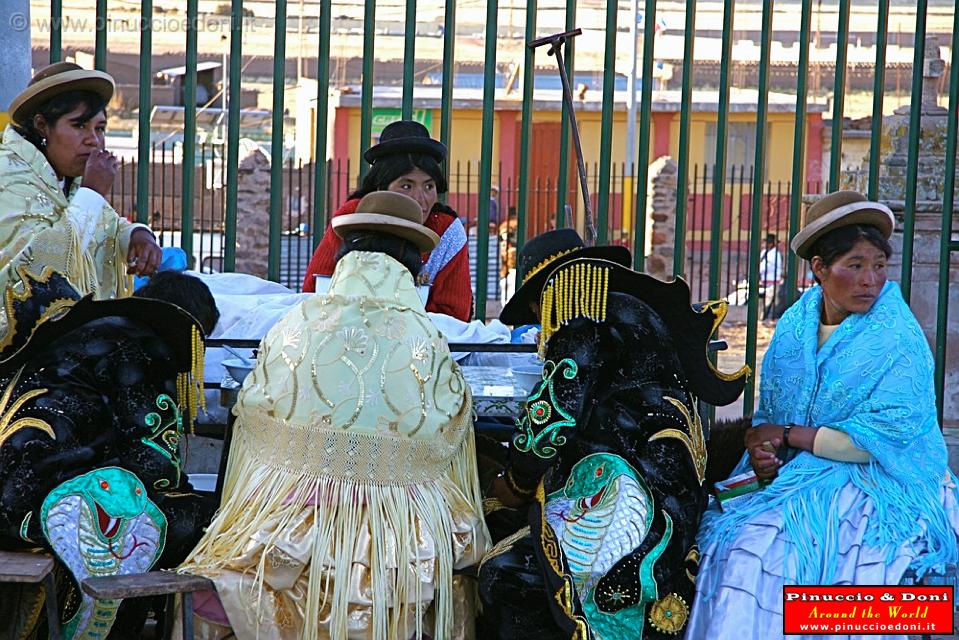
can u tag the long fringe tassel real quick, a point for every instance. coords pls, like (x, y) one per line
(808, 498)
(259, 499)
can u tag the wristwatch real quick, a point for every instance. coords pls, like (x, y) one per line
(786, 436)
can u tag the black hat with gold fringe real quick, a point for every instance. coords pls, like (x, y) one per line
(543, 253)
(580, 289)
(49, 307)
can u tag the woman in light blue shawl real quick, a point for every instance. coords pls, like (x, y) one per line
(860, 487)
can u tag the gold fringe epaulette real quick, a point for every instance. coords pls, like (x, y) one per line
(577, 291)
(189, 384)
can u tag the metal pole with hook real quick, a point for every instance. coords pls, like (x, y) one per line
(556, 42)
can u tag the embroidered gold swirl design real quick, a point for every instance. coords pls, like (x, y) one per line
(696, 445)
(9, 426)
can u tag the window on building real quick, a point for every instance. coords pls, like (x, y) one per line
(740, 147)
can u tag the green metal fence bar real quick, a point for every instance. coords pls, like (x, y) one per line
(189, 132)
(645, 130)
(409, 59)
(562, 180)
(233, 133)
(719, 168)
(878, 90)
(526, 127)
(948, 201)
(100, 47)
(685, 108)
(146, 108)
(486, 159)
(276, 142)
(56, 31)
(446, 103)
(755, 228)
(606, 125)
(912, 162)
(799, 150)
(366, 98)
(320, 185)
(839, 94)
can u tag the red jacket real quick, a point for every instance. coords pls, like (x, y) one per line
(452, 291)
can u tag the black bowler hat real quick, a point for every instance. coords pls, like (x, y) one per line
(550, 249)
(405, 136)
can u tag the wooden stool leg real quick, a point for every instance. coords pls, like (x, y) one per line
(187, 598)
(53, 611)
(169, 610)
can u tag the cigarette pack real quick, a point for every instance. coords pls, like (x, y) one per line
(734, 489)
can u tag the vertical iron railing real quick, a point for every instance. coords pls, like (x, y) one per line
(715, 243)
(755, 232)
(912, 162)
(100, 46)
(946, 244)
(799, 148)
(606, 126)
(562, 180)
(486, 159)
(276, 141)
(642, 161)
(878, 91)
(839, 94)
(526, 131)
(189, 131)
(685, 109)
(146, 108)
(56, 31)
(409, 59)
(320, 184)
(446, 99)
(719, 168)
(366, 106)
(233, 131)
(366, 100)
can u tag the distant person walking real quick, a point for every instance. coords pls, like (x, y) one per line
(770, 275)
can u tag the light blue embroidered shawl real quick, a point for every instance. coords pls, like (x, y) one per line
(872, 379)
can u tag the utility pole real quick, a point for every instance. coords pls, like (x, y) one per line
(15, 43)
(628, 173)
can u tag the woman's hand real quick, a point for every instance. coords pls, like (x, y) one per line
(144, 254)
(762, 441)
(100, 171)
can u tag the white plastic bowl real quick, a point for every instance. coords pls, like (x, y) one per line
(238, 369)
(527, 376)
(323, 286)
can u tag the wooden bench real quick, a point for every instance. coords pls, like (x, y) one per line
(28, 567)
(153, 583)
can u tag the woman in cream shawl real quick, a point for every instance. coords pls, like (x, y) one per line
(351, 490)
(54, 175)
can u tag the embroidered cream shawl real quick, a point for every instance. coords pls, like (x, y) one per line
(36, 232)
(356, 414)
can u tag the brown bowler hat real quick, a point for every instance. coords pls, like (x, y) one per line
(55, 79)
(392, 213)
(840, 209)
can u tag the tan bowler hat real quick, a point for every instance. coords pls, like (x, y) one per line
(840, 209)
(55, 79)
(392, 213)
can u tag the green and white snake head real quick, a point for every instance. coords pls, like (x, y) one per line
(102, 523)
(590, 481)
